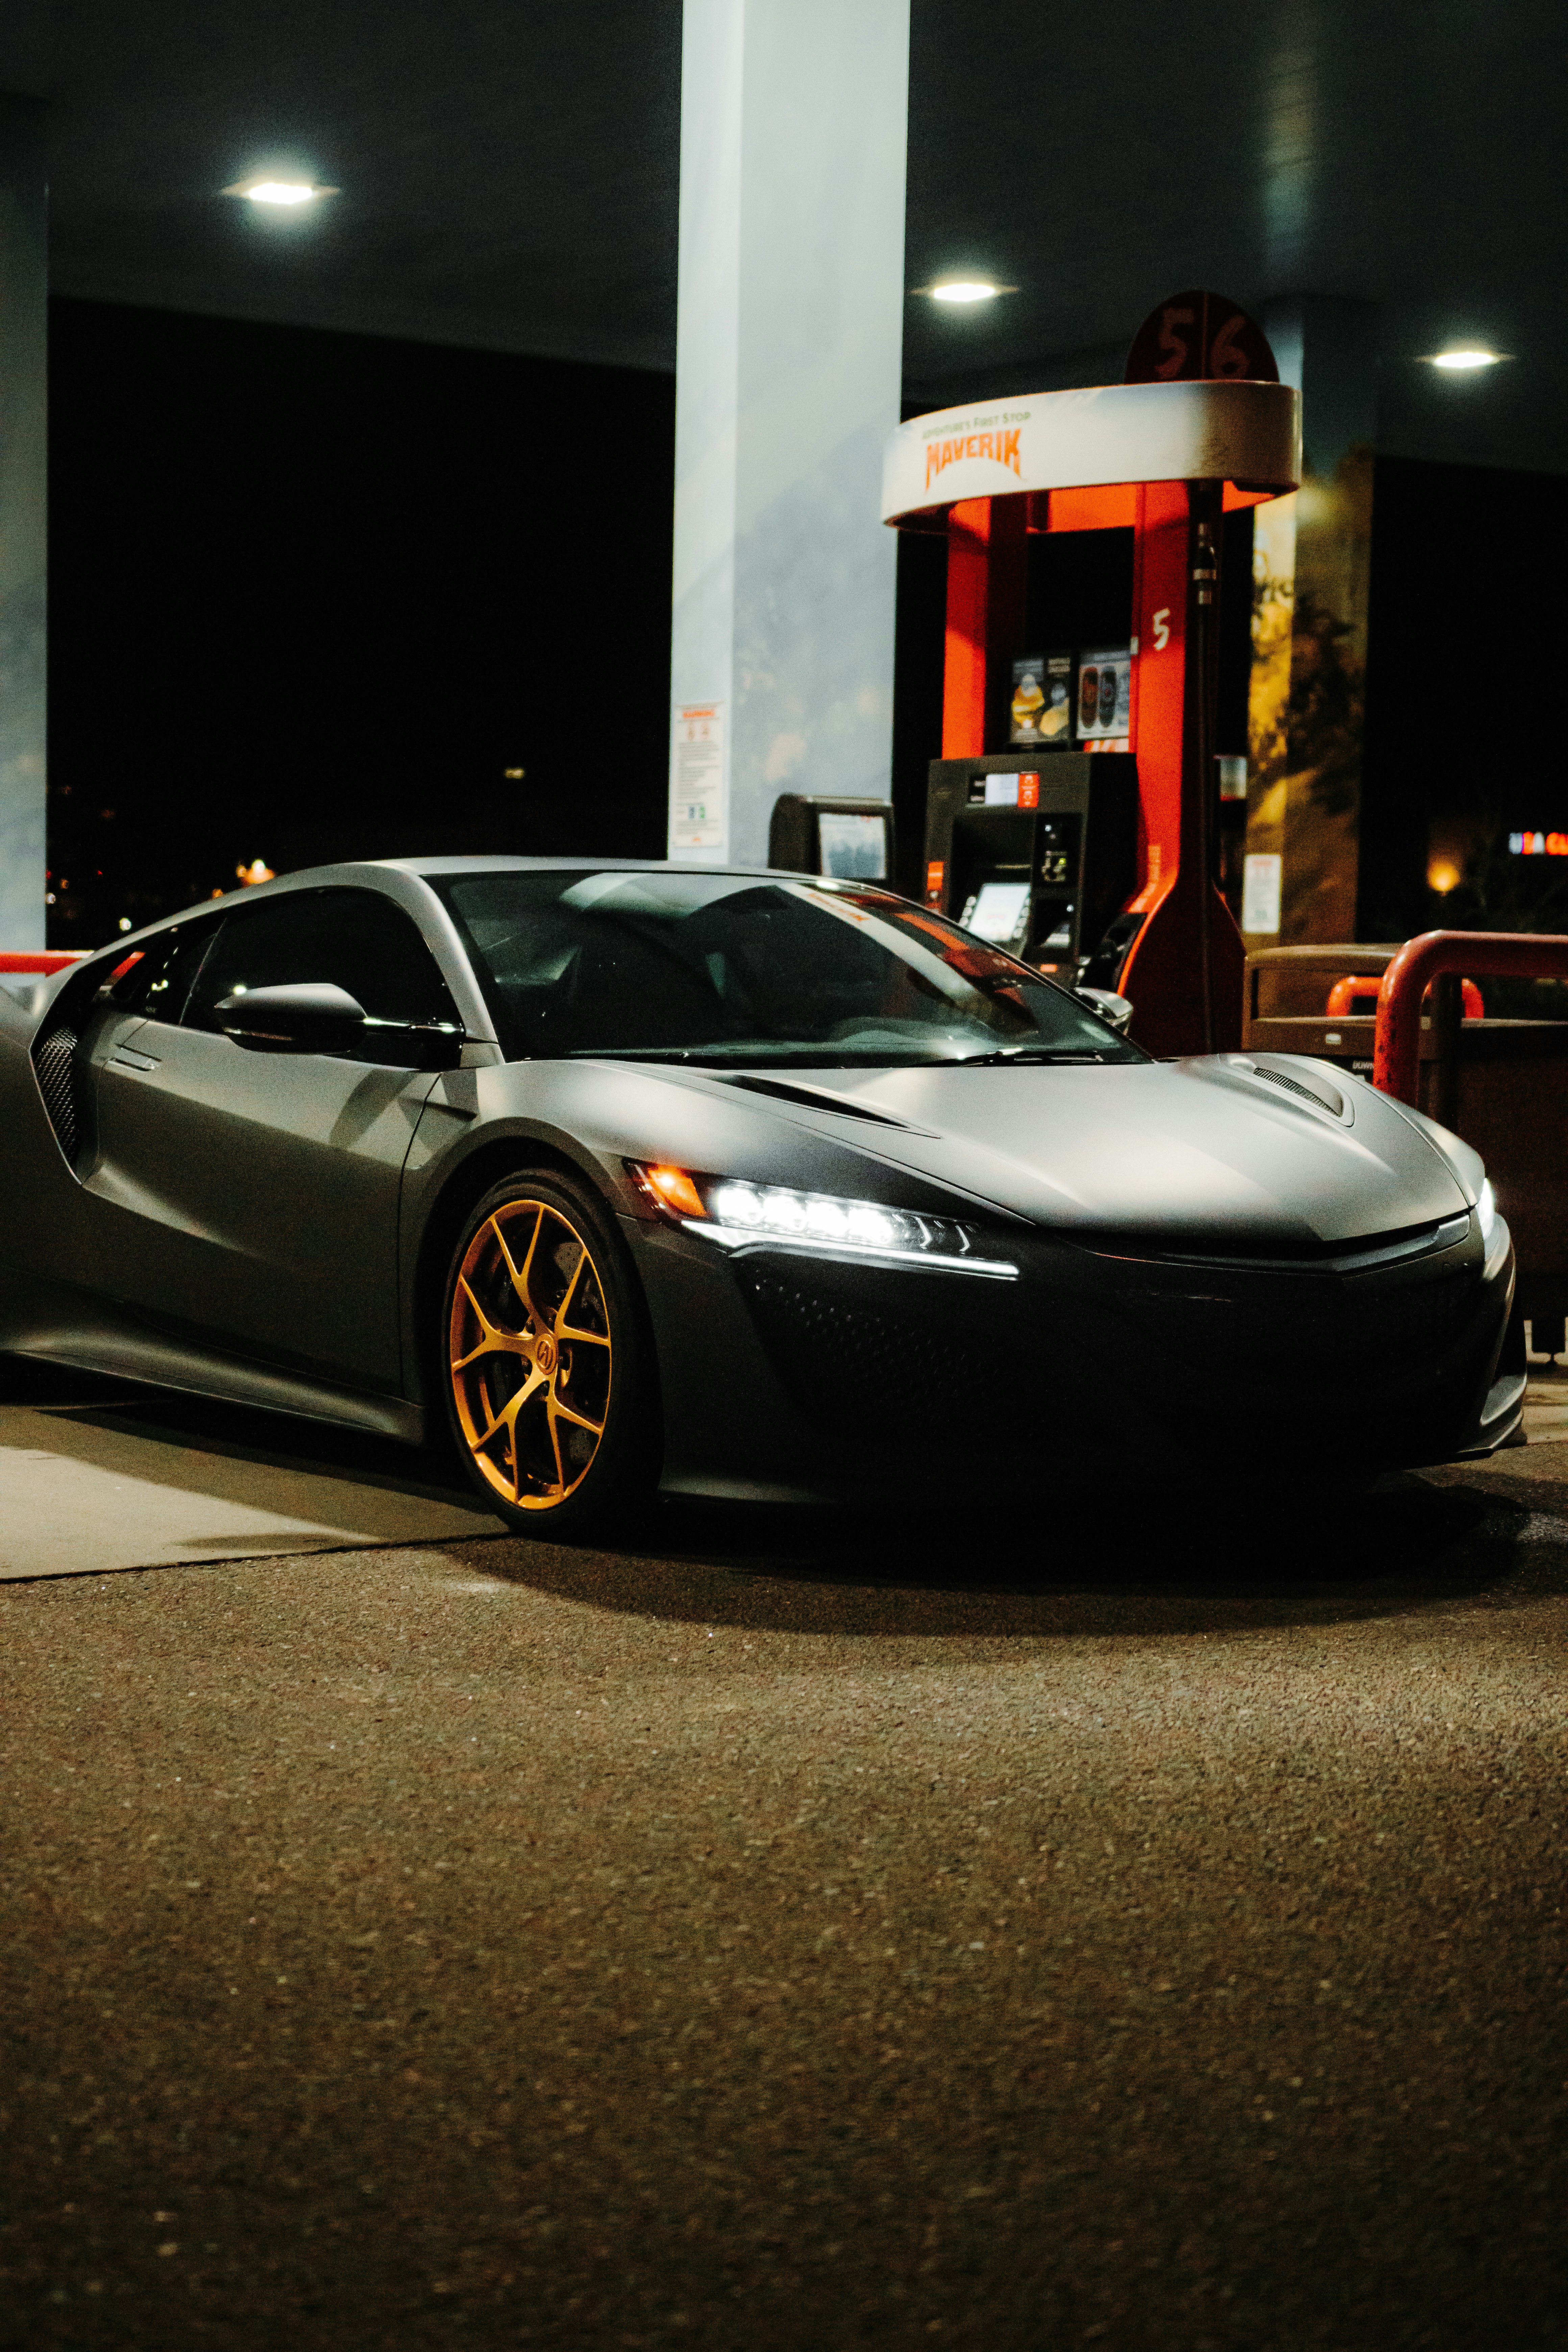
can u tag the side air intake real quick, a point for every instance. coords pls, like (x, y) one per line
(54, 1059)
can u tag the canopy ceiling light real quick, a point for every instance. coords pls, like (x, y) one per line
(288, 195)
(1465, 356)
(964, 289)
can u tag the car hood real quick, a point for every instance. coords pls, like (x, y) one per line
(1188, 1151)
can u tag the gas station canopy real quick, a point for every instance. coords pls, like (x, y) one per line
(1245, 433)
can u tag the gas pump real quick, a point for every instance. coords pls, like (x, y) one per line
(1039, 860)
(1201, 426)
(815, 833)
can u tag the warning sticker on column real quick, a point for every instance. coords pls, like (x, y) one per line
(698, 812)
(1261, 889)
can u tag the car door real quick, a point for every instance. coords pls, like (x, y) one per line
(256, 1193)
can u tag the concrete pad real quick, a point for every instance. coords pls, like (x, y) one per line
(88, 1489)
(1546, 1412)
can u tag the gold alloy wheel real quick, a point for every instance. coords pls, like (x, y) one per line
(530, 1353)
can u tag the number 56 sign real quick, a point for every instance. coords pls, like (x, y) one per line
(1199, 335)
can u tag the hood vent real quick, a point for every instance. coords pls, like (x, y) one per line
(819, 1099)
(1327, 1097)
(1323, 1095)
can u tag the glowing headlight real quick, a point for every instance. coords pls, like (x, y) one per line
(1486, 1210)
(740, 1216)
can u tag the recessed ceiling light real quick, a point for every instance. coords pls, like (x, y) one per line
(286, 193)
(1467, 355)
(965, 289)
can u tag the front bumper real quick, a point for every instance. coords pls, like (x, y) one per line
(1500, 1420)
(792, 1376)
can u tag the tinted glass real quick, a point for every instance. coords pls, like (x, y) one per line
(720, 968)
(159, 979)
(355, 939)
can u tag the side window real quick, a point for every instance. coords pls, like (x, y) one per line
(356, 939)
(160, 979)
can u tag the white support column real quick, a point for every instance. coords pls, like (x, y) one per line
(23, 520)
(789, 354)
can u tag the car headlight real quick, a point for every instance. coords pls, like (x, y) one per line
(739, 1215)
(1486, 1210)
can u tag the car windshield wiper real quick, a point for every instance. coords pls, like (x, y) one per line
(758, 1053)
(760, 1057)
(1025, 1054)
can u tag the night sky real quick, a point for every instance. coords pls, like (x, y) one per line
(311, 595)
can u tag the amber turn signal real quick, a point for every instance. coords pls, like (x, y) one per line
(676, 1190)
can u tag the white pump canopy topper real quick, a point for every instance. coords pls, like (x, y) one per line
(1246, 433)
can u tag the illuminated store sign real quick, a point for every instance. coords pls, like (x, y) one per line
(1001, 447)
(1537, 845)
(1100, 433)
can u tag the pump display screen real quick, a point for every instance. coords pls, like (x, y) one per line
(853, 848)
(999, 912)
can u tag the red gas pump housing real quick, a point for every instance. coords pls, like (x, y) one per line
(1169, 457)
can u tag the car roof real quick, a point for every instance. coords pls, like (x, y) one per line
(367, 870)
(429, 866)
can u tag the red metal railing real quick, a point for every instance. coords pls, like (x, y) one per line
(1499, 955)
(1346, 993)
(39, 959)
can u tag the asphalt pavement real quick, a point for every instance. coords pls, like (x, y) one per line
(788, 1931)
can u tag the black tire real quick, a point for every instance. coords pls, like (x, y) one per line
(546, 1361)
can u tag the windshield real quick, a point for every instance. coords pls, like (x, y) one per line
(672, 966)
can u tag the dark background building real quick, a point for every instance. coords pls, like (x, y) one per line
(315, 595)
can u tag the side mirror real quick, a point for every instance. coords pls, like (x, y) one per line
(1116, 1009)
(305, 1016)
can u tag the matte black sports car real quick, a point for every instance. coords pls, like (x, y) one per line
(745, 1182)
